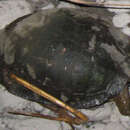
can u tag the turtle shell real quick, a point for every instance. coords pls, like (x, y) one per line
(66, 53)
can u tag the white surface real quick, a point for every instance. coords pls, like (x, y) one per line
(11, 10)
(99, 114)
(115, 125)
(36, 124)
(107, 117)
(122, 16)
(121, 20)
(126, 30)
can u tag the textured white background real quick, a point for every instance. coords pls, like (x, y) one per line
(107, 117)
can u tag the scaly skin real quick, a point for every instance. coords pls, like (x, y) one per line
(123, 101)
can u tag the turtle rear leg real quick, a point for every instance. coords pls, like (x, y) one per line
(123, 101)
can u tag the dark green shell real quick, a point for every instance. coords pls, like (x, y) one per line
(63, 52)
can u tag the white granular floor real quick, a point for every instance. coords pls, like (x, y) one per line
(107, 117)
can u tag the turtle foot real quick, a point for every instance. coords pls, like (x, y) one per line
(123, 102)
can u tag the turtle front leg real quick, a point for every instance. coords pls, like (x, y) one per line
(123, 101)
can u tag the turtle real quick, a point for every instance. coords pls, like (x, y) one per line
(75, 55)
